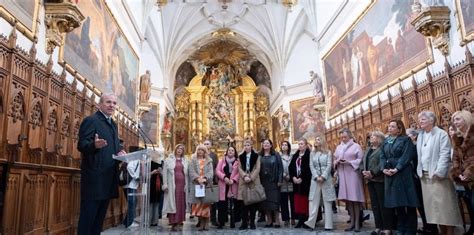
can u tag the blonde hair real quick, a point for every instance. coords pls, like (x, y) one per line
(203, 148)
(324, 145)
(179, 146)
(466, 115)
(378, 134)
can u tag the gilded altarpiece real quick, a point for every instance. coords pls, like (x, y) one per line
(221, 107)
(219, 97)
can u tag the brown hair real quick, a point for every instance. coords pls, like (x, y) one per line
(400, 126)
(178, 146)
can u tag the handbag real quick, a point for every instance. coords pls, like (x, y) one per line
(255, 193)
(212, 194)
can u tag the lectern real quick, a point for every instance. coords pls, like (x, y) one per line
(143, 192)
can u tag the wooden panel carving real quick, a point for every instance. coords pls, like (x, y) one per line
(443, 94)
(11, 209)
(16, 114)
(462, 80)
(35, 188)
(40, 114)
(21, 68)
(40, 80)
(59, 202)
(51, 128)
(36, 122)
(441, 87)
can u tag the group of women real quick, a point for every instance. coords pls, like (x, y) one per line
(402, 174)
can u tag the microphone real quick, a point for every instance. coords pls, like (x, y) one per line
(145, 136)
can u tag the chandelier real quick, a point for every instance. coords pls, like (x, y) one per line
(161, 3)
(289, 3)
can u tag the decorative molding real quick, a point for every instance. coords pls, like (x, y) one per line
(60, 18)
(433, 22)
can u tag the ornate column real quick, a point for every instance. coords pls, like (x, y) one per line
(61, 17)
(196, 107)
(248, 103)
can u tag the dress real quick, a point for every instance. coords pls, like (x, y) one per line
(200, 209)
(299, 168)
(180, 193)
(271, 173)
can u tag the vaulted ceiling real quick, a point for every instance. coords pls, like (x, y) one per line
(266, 28)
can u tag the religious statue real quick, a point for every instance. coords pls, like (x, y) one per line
(285, 122)
(261, 103)
(145, 87)
(263, 132)
(317, 86)
(167, 123)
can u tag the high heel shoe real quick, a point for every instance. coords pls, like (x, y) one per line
(349, 229)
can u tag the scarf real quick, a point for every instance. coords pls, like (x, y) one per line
(230, 163)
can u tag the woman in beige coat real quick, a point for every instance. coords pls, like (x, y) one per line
(249, 172)
(322, 186)
(201, 172)
(175, 184)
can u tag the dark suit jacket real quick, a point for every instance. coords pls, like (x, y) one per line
(303, 188)
(372, 163)
(99, 171)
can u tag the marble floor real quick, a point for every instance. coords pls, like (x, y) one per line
(340, 224)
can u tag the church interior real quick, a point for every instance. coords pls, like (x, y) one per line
(186, 71)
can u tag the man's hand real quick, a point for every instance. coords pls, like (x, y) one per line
(99, 143)
(121, 153)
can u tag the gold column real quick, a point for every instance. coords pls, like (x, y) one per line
(248, 103)
(196, 109)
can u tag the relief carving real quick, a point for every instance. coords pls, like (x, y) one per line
(261, 103)
(36, 118)
(181, 102)
(466, 104)
(52, 121)
(16, 111)
(65, 126)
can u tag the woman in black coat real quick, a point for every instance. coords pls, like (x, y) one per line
(300, 174)
(396, 158)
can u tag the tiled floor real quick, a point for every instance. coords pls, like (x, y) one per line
(339, 226)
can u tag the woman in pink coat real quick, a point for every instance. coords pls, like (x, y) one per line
(348, 156)
(227, 172)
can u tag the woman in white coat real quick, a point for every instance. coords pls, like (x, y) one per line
(434, 161)
(175, 184)
(321, 184)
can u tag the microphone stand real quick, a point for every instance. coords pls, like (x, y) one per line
(141, 135)
(144, 135)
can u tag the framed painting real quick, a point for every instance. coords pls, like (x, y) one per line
(25, 12)
(306, 122)
(276, 132)
(150, 121)
(100, 53)
(464, 13)
(369, 56)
